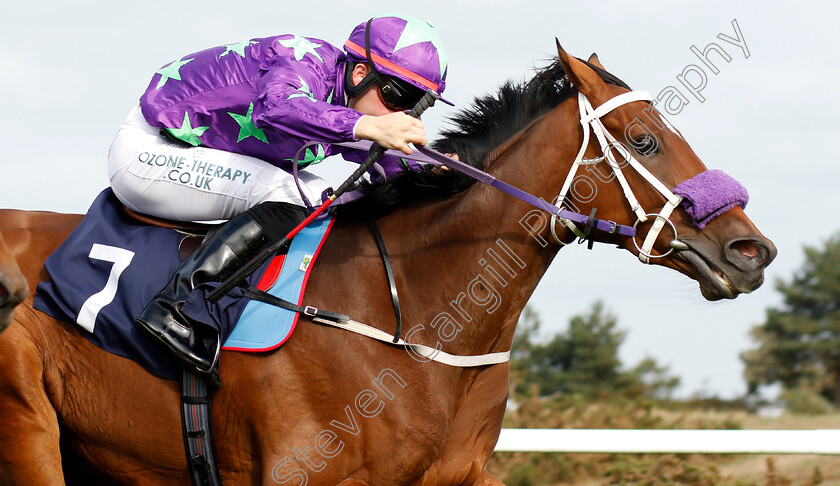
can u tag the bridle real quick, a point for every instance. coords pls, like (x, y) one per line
(590, 120)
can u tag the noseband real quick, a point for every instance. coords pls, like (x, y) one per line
(590, 119)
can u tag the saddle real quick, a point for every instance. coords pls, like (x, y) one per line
(194, 232)
(181, 226)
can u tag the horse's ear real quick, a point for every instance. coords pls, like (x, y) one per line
(593, 59)
(582, 76)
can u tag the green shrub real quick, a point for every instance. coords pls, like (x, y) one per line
(804, 401)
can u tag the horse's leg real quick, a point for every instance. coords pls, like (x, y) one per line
(474, 431)
(29, 449)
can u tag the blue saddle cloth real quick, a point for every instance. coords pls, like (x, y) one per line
(111, 266)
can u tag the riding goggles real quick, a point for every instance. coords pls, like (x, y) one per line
(398, 95)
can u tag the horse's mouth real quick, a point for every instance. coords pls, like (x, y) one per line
(714, 284)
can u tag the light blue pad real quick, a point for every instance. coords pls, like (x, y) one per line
(263, 327)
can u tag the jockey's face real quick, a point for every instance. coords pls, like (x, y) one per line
(369, 102)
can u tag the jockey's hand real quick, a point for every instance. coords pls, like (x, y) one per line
(392, 131)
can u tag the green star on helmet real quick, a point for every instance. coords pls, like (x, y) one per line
(247, 127)
(171, 71)
(187, 133)
(417, 31)
(238, 48)
(302, 46)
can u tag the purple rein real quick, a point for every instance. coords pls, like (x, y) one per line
(429, 156)
(706, 196)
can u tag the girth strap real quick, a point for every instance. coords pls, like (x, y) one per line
(421, 352)
(257, 294)
(389, 272)
(197, 430)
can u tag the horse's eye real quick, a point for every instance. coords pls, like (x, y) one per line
(646, 145)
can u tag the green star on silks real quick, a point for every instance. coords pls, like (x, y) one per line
(238, 48)
(417, 31)
(187, 133)
(171, 71)
(303, 91)
(302, 46)
(310, 157)
(247, 127)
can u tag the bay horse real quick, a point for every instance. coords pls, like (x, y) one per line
(13, 285)
(331, 407)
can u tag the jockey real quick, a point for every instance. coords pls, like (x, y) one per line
(217, 132)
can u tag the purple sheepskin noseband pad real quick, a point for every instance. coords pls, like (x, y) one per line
(710, 194)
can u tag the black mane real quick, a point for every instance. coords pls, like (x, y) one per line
(475, 132)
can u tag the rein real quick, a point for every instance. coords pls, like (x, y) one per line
(433, 157)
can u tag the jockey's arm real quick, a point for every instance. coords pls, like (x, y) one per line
(297, 101)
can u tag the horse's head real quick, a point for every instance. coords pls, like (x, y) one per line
(13, 286)
(687, 218)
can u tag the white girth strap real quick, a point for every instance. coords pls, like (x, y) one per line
(426, 353)
(590, 118)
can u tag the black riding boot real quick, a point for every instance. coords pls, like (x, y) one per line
(217, 258)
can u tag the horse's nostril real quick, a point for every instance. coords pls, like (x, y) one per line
(750, 253)
(747, 248)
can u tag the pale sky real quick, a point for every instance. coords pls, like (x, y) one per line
(72, 70)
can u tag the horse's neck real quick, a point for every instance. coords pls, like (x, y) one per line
(483, 263)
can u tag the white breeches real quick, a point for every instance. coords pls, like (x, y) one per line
(158, 177)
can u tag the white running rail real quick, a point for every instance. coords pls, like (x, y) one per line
(670, 441)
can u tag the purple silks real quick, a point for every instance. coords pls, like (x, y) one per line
(710, 194)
